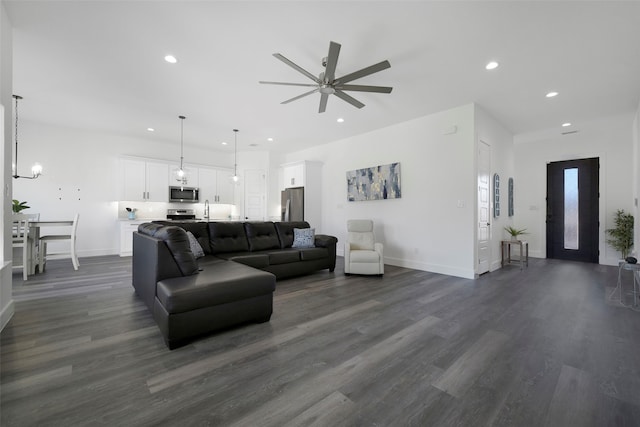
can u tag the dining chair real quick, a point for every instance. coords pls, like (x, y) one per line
(59, 238)
(20, 233)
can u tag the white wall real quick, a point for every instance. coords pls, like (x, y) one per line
(81, 175)
(6, 88)
(489, 130)
(424, 229)
(610, 139)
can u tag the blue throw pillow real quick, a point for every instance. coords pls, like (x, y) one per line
(304, 238)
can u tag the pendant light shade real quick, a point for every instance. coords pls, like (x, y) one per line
(180, 175)
(36, 169)
(235, 156)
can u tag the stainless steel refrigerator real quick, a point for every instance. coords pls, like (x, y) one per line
(292, 204)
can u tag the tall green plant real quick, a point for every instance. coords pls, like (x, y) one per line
(622, 235)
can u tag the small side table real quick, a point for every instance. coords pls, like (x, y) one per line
(635, 269)
(524, 252)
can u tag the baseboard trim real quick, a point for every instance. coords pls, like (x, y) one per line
(7, 313)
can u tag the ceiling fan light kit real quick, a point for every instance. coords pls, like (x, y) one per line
(327, 84)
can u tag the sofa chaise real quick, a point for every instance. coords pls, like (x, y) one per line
(231, 281)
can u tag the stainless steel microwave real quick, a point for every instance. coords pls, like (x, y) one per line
(184, 194)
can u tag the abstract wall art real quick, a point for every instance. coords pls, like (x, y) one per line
(374, 183)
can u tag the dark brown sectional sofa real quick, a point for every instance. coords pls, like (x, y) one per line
(232, 283)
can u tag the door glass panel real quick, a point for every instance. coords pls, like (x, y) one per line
(571, 208)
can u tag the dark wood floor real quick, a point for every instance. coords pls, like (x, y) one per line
(539, 347)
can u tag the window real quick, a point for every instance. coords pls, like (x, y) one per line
(571, 225)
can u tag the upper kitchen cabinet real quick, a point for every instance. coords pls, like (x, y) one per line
(293, 174)
(144, 180)
(216, 185)
(190, 178)
(301, 174)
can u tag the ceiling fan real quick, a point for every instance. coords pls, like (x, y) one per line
(327, 84)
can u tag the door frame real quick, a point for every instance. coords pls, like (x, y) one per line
(477, 250)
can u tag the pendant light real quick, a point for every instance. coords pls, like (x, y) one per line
(235, 156)
(180, 175)
(36, 169)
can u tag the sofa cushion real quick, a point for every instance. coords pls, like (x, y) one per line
(310, 254)
(285, 231)
(227, 237)
(261, 236)
(217, 284)
(303, 237)
(283, 256)
(198, 229)
(178, 243)
(253, 260)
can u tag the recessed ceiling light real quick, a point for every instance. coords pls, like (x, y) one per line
(340, 120)
(551, 94)
(567, 124)
(491, 65)
(170, 59)
(224, 143)
(150, 129)
(270, 139)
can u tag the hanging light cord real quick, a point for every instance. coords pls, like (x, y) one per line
(36, 170)
(235, 153)
(17, 97)
(181, 140)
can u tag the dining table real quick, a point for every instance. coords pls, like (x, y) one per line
(34, 238)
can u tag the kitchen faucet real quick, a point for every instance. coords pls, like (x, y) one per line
(206, 209)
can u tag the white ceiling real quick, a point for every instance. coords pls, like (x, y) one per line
(99, 65)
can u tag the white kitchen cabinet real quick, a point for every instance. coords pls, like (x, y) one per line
(307, 174)
(190, 175)
(293, 174)
(144, 180)
(127, 228)
(216, 185)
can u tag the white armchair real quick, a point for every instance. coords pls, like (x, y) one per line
(362, 255)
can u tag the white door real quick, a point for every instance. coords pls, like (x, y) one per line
(254, 195)
(484, 207)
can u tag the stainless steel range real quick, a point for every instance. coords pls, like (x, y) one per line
(178, 214)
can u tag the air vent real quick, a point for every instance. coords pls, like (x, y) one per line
(569, 132)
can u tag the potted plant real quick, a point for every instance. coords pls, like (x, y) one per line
(515, 233)
(19, 206)
(622, 235)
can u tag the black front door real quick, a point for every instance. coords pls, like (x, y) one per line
(572, 210)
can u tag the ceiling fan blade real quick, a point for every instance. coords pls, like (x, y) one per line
(323, 102)
(360, 88)
(296, 67)
(350, 99)
(300, 96)
(364, 72)
(332, 61)
(288, 84)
